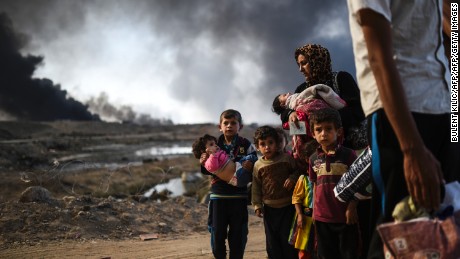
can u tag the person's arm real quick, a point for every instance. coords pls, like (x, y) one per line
(291, 181)
(298, 197)
(291, 115)
(284, 116)
(213, 163)
(351, 213)
(256, 191)
(301, 220)
(251, 150)
(203, 159)
(421, 169)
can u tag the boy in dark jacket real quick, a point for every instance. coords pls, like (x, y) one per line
(228, 213)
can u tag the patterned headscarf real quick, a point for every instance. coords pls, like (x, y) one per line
(320, 64)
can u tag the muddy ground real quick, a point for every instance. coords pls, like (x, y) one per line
(86, 198)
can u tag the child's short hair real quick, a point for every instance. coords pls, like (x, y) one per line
(230, 113)
(264, 132)
(276, 106)
(199, 146)
(325, 115)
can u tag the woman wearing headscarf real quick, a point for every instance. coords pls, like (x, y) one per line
(315, 64)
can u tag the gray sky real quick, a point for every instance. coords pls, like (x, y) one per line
(184, 60)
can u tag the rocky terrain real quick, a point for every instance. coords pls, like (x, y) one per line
(82, 181)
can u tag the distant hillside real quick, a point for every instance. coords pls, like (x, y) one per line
(29, 130)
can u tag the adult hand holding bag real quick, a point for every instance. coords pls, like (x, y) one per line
(425, 237)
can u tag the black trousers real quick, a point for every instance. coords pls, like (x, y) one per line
(337, 240)
(228, 219)
(277, 223)
(435, 132)
(364, 215)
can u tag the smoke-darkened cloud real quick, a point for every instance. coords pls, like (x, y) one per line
(25, 97)
(219, 54)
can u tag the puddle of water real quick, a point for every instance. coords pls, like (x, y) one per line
(77, 161)
(106, 147)
(177, 186)
(161, 151)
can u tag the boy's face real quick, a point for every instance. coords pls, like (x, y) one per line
(211, 147)
(229, 127)
(326, 134)
(268, 147)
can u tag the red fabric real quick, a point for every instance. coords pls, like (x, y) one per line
(303, 112)
(304, 255)
(327, 208)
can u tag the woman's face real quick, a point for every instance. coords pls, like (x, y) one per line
(304, 66)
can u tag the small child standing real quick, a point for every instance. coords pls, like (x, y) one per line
(335, 222)
(274, 177)
(302, 235)
(220, 164)
(302, 232)
(228, 210)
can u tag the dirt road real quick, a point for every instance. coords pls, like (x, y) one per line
(195, 245)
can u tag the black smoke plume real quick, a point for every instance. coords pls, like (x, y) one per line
(124, 114)
(245, 47)
(24, 97)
